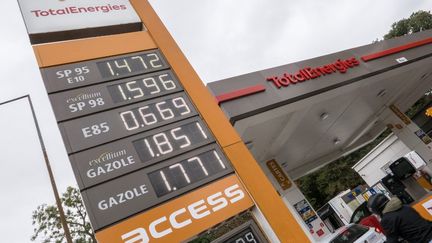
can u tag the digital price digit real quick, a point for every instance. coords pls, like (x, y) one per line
(152, 113)
(249, 237)
(130, 65)
(148, 86)
(246, 236)
(164, 143)
(186, 172)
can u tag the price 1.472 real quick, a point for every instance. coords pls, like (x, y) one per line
(142, 63)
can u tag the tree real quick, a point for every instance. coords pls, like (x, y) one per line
(321, 186)
(47, 225)
(418, 21)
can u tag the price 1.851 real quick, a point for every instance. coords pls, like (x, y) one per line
(167, 142)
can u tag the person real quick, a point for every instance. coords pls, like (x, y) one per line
(400, 221)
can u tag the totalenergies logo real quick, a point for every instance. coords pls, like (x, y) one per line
(308, 73)
(77, 10)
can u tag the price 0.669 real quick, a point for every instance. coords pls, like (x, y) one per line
(151, 114)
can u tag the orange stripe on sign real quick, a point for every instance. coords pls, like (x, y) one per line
(59, 53)
(181, 218)
(396, 49)
(422, 210)
(240, 93)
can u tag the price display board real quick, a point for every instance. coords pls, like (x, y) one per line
(247, 233)
(134, 138)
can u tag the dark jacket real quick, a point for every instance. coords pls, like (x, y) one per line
(403, 221)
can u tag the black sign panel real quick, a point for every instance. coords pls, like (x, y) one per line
(114, 159)
(108, 126)
(88, 100)
(246, 235)
(133, 136)
(75, 75)
(247, 232)
(125, 196)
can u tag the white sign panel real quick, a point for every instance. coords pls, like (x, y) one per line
(44, 16)
(428, 206)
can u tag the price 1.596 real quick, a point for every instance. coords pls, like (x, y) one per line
(143, 87)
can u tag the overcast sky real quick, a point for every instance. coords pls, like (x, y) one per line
(221, 39)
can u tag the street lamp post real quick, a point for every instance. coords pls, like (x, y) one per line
(47, 163)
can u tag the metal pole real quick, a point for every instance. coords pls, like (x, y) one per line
(50, 173)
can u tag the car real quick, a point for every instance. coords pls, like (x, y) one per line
(363, 216)
(355, 233)
(361, 212)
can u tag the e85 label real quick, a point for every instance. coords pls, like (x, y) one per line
(95, 130)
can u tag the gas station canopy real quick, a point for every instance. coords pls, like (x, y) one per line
(309, 113)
